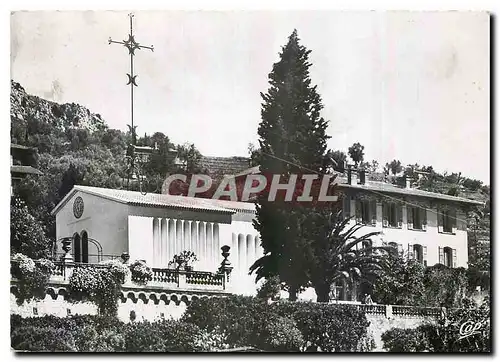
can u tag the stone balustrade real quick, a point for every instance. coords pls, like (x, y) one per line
(163, 278)
(403, 311)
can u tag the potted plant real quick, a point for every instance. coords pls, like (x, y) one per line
(185, 260)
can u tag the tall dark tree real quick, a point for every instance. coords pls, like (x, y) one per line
(357, 153)
(292, 140)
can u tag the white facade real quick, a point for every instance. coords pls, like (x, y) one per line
(432, 239)
(155, 233)
(156, 227)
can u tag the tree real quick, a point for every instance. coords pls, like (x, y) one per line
(190, 156)
(292, 139)
(356, 151)
(394, 167)
(340, 255)
(371, 167)
(401, 282)
(27, 235)
(339, 159)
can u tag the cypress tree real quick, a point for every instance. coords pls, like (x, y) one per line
(292, 139)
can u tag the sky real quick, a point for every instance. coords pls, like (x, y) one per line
(413, 86)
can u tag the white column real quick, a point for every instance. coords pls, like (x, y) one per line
(155, 242)
(164, 243)
(242, 253)
(234, 251)
(210, 246)
(250, 250)
(194, 238)
(202, 237)
(187, 235)
(171, 238)
(179, 240)
(217, 252)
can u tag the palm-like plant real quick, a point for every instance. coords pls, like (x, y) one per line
(337, 255)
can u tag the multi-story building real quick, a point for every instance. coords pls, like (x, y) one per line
(425, 226)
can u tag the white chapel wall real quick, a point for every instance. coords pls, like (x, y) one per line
(103, 219)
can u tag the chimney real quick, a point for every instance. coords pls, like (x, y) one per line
(362, 177)
(352, 175)
(408, 181)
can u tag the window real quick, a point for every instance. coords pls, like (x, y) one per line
(417, 218)
(366, 212)
(85, 247)
(392, 215)
(448, 257)
(447, 221)
(76, 248)
(418, 253)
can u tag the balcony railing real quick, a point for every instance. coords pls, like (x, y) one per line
(163, 278)
(392, 311)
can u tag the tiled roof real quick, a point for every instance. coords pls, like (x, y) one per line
(21, 147)
(384, 187)
(25, 169)
(224, 165)
(160, 200)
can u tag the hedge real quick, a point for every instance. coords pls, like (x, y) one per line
(249, 321)
(445, 335)
(207, 325)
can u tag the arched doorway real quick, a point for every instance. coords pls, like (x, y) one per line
(85, 247)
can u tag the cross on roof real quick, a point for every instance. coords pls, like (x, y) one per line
(132, 46)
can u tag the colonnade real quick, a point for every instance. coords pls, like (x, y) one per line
(172, 236)
(245, 250)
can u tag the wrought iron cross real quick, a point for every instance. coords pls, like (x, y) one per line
(132, 46)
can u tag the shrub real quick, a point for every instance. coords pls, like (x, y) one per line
(162, 336)
(33, 276)
(119, 270)
(248, 321)
(31, 338)
(444, 336)
(270, 289)
(327, 327)
(404, 340)
(235, 316)
(141, 273)
(281, 334)
(100, 286)
(212, 341)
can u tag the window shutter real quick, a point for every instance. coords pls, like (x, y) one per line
(423, 217)
(424, 251)
(358, 212)
(373, 212)
(385, 212)
(440, 217)
(409, 216)
(441, 255)
(453, 220)
(411, 254)
(454, 258)
(399, 215)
